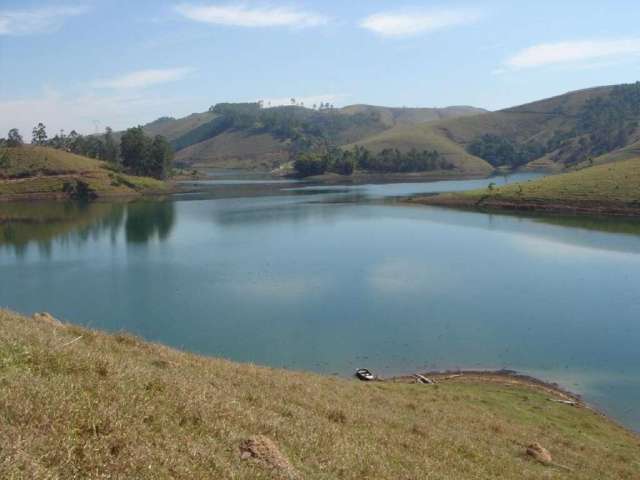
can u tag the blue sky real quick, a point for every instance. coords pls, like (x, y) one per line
(89, 64)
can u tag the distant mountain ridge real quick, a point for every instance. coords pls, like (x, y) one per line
(207, 138)
(593, 125)
(583, 127)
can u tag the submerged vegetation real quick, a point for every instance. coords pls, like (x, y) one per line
(77, 403)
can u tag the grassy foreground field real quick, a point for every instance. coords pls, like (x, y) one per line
(76, 403)
(30, 172)
(608, 189)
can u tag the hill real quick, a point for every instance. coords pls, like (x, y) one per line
(612, 188)
(77, 403)
(42, 172)
(249, 136)
(391, 116)
(557, 133)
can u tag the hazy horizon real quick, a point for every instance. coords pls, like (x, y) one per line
(86, 65)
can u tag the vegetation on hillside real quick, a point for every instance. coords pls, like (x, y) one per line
(611, 188)
(345, 162)
(137, 153)
(572, 130)
(77, 403)
(252, 134)
(43, 172)
(602, 125)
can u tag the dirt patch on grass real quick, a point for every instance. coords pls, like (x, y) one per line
(265, 452)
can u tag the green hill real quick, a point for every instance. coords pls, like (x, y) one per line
(391, 116)
(612, 188)
(172, 128)
(77, 403)
(246, 136)
(42, 172)
(568, 131)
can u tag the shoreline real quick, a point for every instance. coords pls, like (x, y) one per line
(481, 205)
(503, 377)
(511, 378)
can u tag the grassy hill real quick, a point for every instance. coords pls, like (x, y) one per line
(211, 138)
(77, 403)
(612, 188)
(566, 132)
(172, 128)
(41, 172)
(237, 149)
(534, 122)
(391, 116)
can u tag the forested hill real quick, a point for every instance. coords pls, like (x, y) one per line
(248, 135)
(576, 129)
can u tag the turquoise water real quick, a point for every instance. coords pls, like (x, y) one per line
(333, 278)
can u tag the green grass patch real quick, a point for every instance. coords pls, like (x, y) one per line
(115, 406)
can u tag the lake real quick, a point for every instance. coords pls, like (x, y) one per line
(331, 278)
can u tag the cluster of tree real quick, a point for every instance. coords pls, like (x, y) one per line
(603, 124)
(101, 147)
(316, 163)
(14, 139)
(391, 160)
(501, 151)
(143, 155)
(344, 162)
(607, 122)
(302, 125)
(138, 153)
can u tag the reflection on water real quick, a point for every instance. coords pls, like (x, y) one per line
(146, 220)
(333, 279)
(42, 224)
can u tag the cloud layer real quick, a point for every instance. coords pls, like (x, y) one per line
(40, 20)
(401, 24)
(144, 78)
(244, 16)
(562, 53)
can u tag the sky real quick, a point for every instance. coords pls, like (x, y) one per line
(88, 64)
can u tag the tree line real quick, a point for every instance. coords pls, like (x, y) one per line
(137, 153)
(603, 124)
(345, 162)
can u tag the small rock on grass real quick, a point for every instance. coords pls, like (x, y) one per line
(539, 453)
(266, 452)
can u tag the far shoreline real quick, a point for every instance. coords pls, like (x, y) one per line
(568, 208)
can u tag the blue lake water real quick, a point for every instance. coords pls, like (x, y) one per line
(330, 278)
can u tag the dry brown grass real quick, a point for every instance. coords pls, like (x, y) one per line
(612, 188)
(31, 172)
(113, 406)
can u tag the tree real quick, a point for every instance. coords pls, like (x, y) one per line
(110, 147)
(39, 134)
(134, 147)
(160, 158)
(14, 139)
(143, 156)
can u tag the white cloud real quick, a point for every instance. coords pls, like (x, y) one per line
(144, 78)
(37, 20)
(573, 52)
(87, 111)
(407, 23)
(241, 15)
